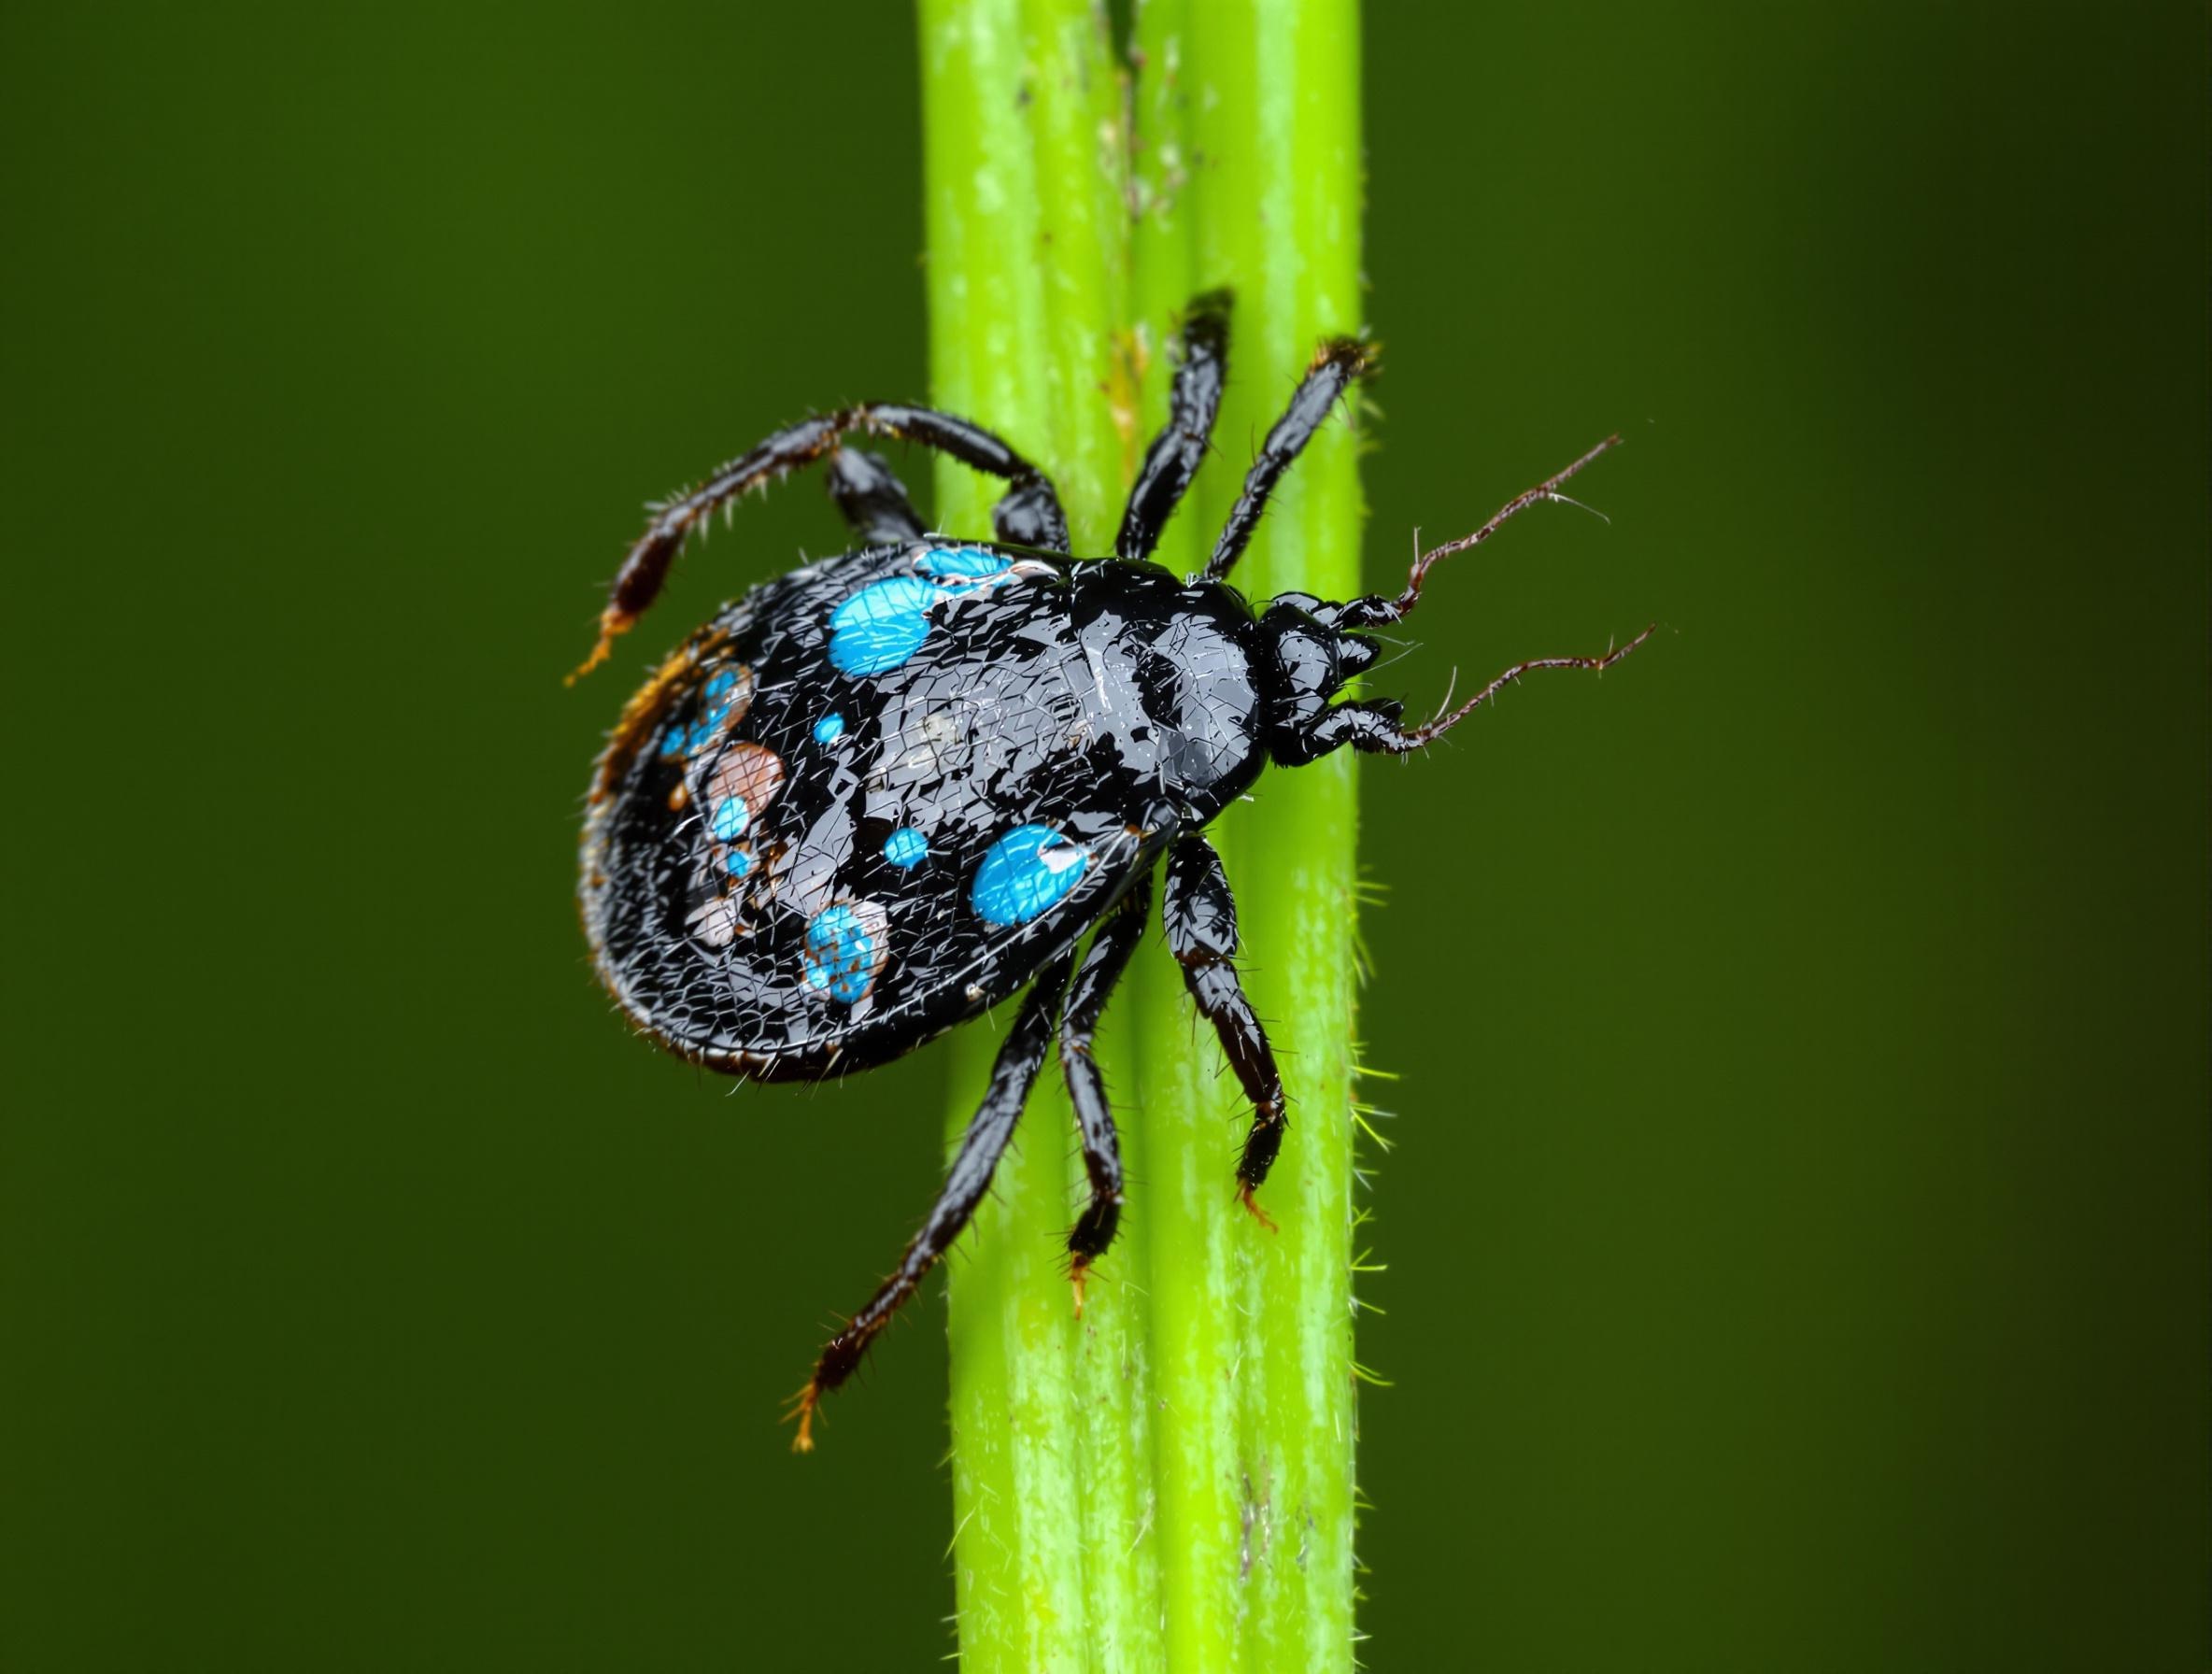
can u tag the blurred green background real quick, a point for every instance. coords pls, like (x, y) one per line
(1798, 1230)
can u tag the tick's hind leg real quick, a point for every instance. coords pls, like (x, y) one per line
(1194, 400)
(1028, 513)
(1102, 968)
(969, 1177)
(871, 498)
(1200, 916)
(1338, 364)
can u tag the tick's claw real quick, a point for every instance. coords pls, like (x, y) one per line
(1252, 1207)
(611, 622)
(1076, 1276)
(600, 653)
(802, 1409)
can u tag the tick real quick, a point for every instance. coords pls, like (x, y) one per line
(883, 793)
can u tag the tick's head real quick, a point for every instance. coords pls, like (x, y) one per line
(1306, 661)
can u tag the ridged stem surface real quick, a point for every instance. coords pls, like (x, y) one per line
(1167, 1480)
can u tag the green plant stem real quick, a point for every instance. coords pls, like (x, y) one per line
(1026, 235)
(1166, 1482)
(1250, 178)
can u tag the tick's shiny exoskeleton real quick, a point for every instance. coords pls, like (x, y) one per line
(876, 797)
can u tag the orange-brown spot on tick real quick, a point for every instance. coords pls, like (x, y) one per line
(726, 697)
(751, 772)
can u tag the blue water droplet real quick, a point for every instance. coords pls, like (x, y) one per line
(971, 562)
(881, 626)
(829, 729)
(840, 954)
(1025, 872)
(905, 847)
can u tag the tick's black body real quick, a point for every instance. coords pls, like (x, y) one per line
(1110, 699)
(877, 796)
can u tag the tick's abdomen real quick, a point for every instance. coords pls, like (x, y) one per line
(872, 798)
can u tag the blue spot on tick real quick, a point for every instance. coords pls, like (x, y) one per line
(905, 847)
(1025, 872)
(731, 818)
(829, 729)
(737, 863)
(720, 684)
(840, 954)
(969, 563)
(881, 626)
(886, 623)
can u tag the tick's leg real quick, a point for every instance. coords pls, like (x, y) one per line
(1194, 398)
(1375, 725)
(871, 498)
(1200, 916)
(988, 1130)
(1382, 612)
(1337, 365)
(1102, 968)
(1028, 513)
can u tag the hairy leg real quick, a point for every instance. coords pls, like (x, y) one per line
(1200, 915)
(1028, 513)
(1019, 1058)
(1194, 401)
(1101, 969)
(1337, 366)
(1381, 613)
(1375, 726)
